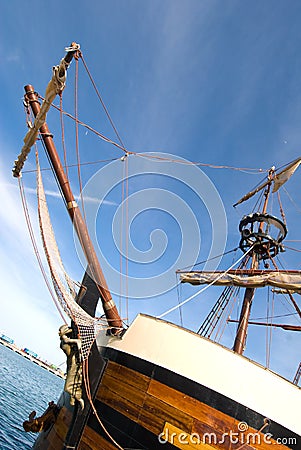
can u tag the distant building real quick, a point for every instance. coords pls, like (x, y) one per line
(30, 352)
(6, 339)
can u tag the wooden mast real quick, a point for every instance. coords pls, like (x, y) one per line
(80, 227)
(242, 330)
(276, 325)
(241, 336)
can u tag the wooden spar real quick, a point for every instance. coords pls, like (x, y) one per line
(247, 272)
(288, 170)
(242, 330)
(294, 303)
(241, 335)
(80, 227)
(278, 325)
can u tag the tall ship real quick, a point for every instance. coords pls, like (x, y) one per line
(153, 384)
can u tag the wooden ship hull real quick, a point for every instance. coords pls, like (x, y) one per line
(176, 388)
(156, 384)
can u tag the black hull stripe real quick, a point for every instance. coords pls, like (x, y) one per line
(124, 429)
(206, 395)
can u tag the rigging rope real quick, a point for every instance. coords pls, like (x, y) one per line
(88, 326)
(269, 330)
(204, 288)
(288, 292)
(89, 396)
(177, 161)
(99, 161)
(127, 237)
(227, 313)
(291, 199)
(63, 133)
(292, 248)
(281, 208)
(35, 247)
(77, 140)
(101, 101)
(125, 190)
(209, 259)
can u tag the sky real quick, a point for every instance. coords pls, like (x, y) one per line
(214, 81)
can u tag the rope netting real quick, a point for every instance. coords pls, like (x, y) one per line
(64, 286)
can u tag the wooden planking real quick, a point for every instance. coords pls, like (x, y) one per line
(134, 402)
(54, 438)
(151, 414)
(155, 413)
(123, 389)
(63, 422)
(251, 438)
(191, 406)
(133, 378)
(128, 391)
(218, 439)
(119, 403)
(93, 441)
(184, 441)
(152, 404)
(197, 441)
(55, 446)
(207, 419)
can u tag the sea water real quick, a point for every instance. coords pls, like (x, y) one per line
(24, 387)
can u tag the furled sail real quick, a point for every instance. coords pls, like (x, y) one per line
(285, 174)
(278, 179)
(283, 280)
(88, 326)
(55, 86)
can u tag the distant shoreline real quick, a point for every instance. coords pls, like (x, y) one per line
(7, 342)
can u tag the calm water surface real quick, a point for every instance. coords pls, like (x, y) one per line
(24, 387)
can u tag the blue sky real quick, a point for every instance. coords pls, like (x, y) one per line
(212, 81)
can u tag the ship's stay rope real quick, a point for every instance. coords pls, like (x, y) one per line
(154, 156)
(102, 102)
(68, 166)
(288, 292)
(191, 268)
(298, 209)
(223, 323)
(121, 144)
(269, 330)
(63, 133)
(124, 184)
(89, 396)
(206, 287)
(77, 140)
(124, 225)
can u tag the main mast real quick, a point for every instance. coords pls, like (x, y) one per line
(261, 240)
(256, 249)
(80, 227)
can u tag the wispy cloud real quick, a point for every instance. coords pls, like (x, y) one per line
(14, 229)
(26, 305)
(56, 194)
(13, 58)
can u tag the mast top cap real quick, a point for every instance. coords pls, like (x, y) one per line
(74, 47)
